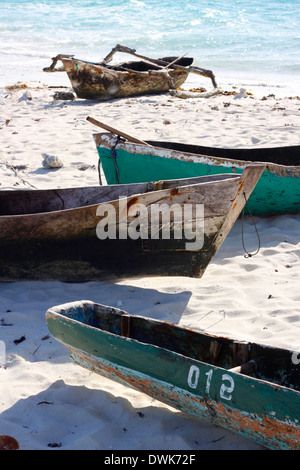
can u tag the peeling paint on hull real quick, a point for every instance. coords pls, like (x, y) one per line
(156, 358)
(92, 81)
(263, 430)
(278, 190)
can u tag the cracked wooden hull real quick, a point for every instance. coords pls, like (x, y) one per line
(96, 81)
(278, 190)
(189, 370)
(83, 234)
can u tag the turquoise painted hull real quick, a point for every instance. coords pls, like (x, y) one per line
(277, 191)
(189, 370)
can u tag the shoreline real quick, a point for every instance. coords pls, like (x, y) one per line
(283, 85)
(47, 399)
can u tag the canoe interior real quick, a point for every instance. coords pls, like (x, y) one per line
(141, 66)
(289, 155)
(274, 365)
(52, 234)
(26, 202)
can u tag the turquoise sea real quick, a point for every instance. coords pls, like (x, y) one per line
(246, 40)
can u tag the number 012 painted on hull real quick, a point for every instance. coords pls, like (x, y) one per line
(192, 371)
(225, 390)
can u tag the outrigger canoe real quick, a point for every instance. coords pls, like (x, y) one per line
(103, 81)
(249, 388)
(278, 190)
(171, 228)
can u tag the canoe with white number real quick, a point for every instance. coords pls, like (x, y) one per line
(249, 388)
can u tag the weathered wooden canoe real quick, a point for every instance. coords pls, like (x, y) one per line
(147, 76)
(278, 190)
(81, 234)
(103, 82)
(249, 388)
(106, 82)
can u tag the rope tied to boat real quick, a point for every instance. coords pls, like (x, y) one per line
(249, 255)
(99, 172)
(114, 154)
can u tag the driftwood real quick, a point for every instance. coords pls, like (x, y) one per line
(194, 94)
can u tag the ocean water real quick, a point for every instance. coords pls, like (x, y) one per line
(241, 41)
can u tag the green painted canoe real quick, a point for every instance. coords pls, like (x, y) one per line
(278, 190)
(249, 388)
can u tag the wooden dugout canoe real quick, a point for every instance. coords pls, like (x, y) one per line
(103, 81)
(278, 190)
(249, 388)
(81, 234)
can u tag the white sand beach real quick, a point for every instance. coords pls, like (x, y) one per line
(48, 402)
